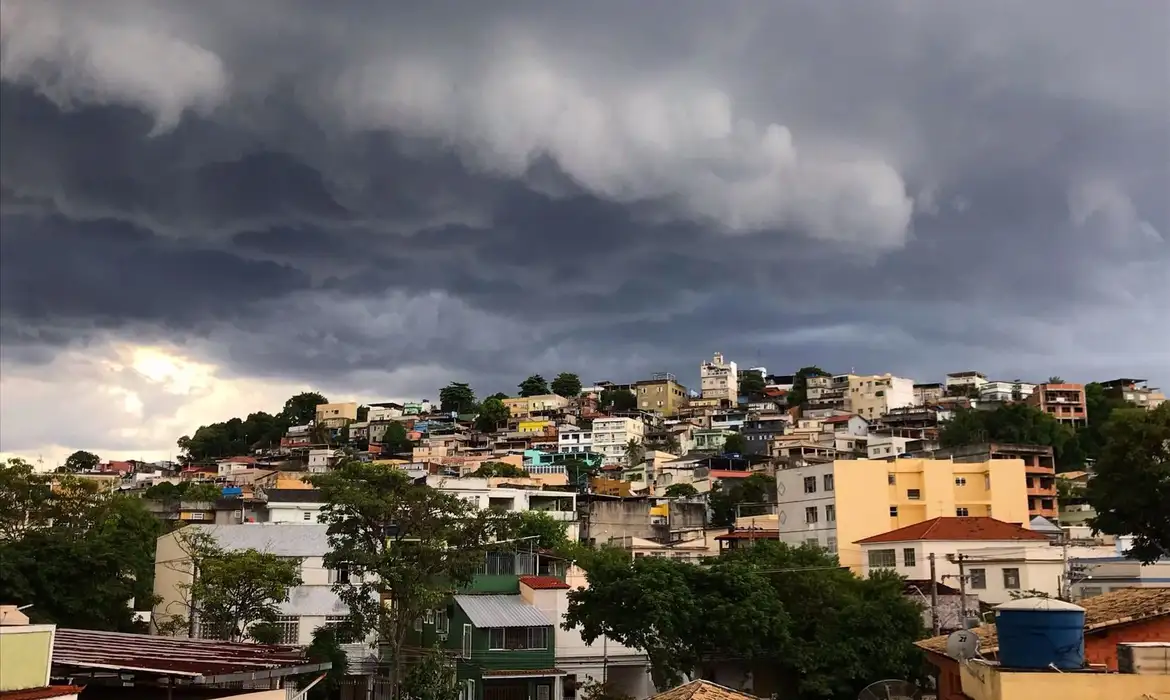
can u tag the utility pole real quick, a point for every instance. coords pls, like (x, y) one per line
(962, 593)
(934, 620)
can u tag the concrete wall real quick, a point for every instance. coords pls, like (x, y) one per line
(984, 682)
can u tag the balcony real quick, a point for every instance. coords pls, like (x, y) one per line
(563, 516)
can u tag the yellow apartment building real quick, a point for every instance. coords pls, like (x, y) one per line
(337, 415)
(835, 504)
(661, 394)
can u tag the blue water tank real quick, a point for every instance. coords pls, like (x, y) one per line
(1039, 633)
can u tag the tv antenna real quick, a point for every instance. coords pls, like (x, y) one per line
(890, 690)
(963, 645)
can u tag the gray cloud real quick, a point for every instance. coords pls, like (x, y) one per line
(341, 194)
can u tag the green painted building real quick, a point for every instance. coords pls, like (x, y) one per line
(505, 648)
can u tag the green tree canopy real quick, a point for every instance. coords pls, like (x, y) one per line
(732, 495)
(456, 397)
(735, 443)
(799, 393)
(751, 383)
(549, 532)
(821, 630)
(326, 647)
(1013, 423)
(1099, 406)
(302, 408)
(635, 452)
(490, 469)
(394, 439)
(680, 491)
(492, 413)
(618, 400)
(1130, 487)
(402, 542)
(567, 385)
(533, 386)
(82, 461)
(499, 395)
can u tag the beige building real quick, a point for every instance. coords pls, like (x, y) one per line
(661, 394)
(873, 396)
(719, 379)
(611, 436)
(525, 406)
(336, 415)
(834, 505)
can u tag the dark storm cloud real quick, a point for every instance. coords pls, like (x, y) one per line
(536, 186)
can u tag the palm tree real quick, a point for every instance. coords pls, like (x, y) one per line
(634, 453)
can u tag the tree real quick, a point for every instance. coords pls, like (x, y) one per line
(82, 461)
(394, 439)
(618, 400)
(431, 678)
(567, 385)
(490, 469)
(680, 491)
(1013, 423)
(456, 397)
(1056, 379)
(729, 496)
(549, 533)
(775, 609)
(302, 408)
(1099, 406)
(635, 452)
(1130, 488)
(326, 647)
(363, 414)
(234, 591)
(799, 393)
(492, 413)
(667, 444)
(751, 384)
(735, 444)
(406, 547)
(602, 690)
(533, 386)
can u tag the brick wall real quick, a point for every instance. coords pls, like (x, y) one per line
(1100, 648)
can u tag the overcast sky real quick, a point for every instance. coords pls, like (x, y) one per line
(208, 206)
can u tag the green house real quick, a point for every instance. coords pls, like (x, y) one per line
(505, 648)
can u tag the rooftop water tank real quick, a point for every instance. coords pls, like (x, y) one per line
(1040, 633)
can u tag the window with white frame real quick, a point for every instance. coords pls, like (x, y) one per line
(517, 638)
(908, 558)
(442, 622)
(340, 574)
(290, 629)
(883, 559)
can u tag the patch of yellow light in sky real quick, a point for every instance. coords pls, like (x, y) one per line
(176, 373)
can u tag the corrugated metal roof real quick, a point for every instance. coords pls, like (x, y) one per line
(282, 539)
(500, 611)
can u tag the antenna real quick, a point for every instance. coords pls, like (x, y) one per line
(963, 645)
(893, 689)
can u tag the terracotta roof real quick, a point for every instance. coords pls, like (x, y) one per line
(837, 419)
(702, 690)
(52, 691)
(544, 583)
(1102, 611)
(969, 528)
(749, 535)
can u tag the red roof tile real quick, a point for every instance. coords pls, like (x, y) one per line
(544, 583)
(52, 691)
(972, 528)
(837, 419)
(728, 474)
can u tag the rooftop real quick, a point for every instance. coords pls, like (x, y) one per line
(198, 660)
(956, 528)
(1106, 610)
(294, 495)
(702, 690)
(500, 611)
(52, 691)
(281, 539)
(544, 583)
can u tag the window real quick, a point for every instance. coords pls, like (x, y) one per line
(418, 622)
(828, 482)
(891, 480)
(429, 617)
(813, 542)
(290, 629)
(832, 545)
(914, 494)
(542, 692)
(1011, 579)
(197, 516)
(961, 512)
(893, 511)
(810, 484)
(882, 559)
(960, 481)
(908, 556)
(1090, 591)
(517, 638)
(830, 513)
(340, 574)
(978, 578)
(810, 514)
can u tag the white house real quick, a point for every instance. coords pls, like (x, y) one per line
(887, 446)
(1003, 392)
(571, 438)
(605, 659)
(559, 505)
(997, 558)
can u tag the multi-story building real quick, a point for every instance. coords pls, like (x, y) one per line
(826, 395)
(571, 438)
(612, 434)
(836, 504)
(1064, 402)
(1135, 391)
(926, 394)
(336, 415)
(760, 431)
(997, 392)
(874, 396)
(661, 394)
(1039, 470)
(525, 406)
(719, 379)
(965, 383)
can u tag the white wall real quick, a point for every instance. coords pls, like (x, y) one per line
(792, 499)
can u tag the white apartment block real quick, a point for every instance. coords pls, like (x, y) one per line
(1002, 392)
(965, 380)
(611, 435)
(874, 396)
(570, 438)
(886, 446)
(719, 379)
(559, 505)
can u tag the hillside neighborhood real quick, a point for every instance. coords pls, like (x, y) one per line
(753, 536)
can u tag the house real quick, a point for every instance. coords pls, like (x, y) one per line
(847, 500)
(1128, 615)
(998, 558)
(994, 393)
(336, 415)
(1134, 391)
(873, 396)
(759, 431)
(1039, 469)
(612, 434)
(526, 406)
(1064, 402)
(1094, 573)
(926, 394)
(661, 394)
(964, 383)
(719, 380)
